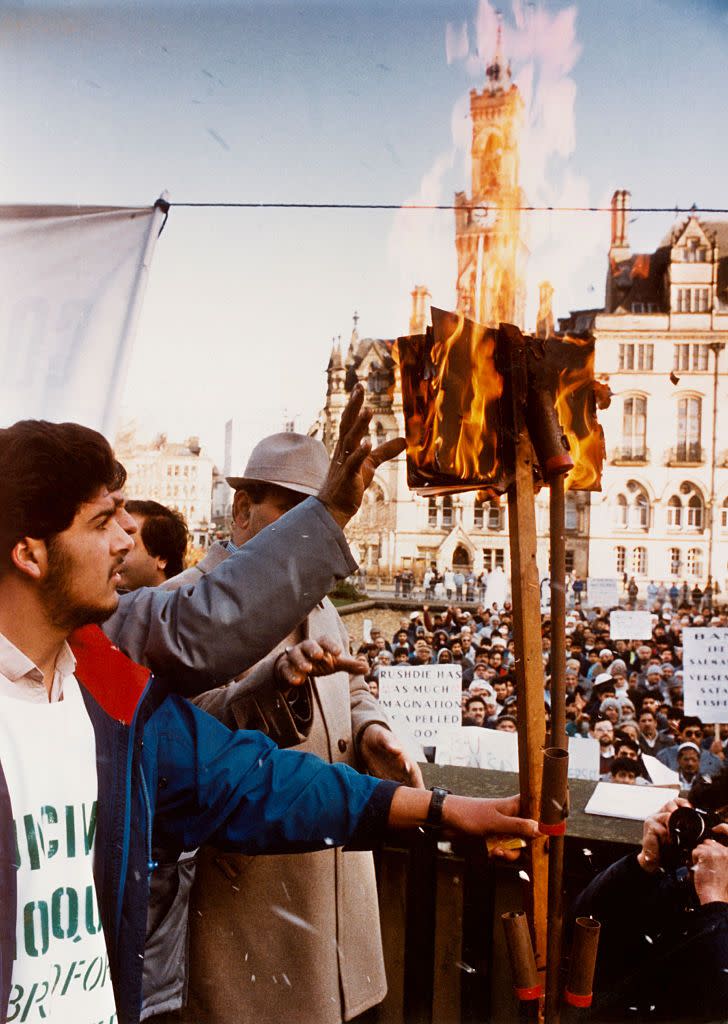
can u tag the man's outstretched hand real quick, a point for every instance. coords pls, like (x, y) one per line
(354, 462)
(319, 657)
(384, 756)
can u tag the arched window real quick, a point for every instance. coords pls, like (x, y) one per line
(620, 558)
(674, 561)
(695, 513)
(620, 511)
(674, 512)
(634, 428)
(432, 511)
(689, 417)
(694, 563)
(478, 513)
(381, 433)
(639, 562)
(447, 514)
(639, 518)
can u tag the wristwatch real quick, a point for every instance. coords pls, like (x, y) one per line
(433, 821)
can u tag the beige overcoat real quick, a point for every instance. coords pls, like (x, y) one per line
(296, 937)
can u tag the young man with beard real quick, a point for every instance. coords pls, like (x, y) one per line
(98, 761)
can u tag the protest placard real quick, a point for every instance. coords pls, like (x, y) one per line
(630, 625)
(584, 758)
(633, 802)
(423, 698)
(497, 751)
(705, 673)
(602, 593)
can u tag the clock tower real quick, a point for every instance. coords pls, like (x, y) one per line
(491, 254)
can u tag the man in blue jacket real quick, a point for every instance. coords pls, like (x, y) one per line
(99, 763)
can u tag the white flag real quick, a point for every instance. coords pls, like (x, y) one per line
(72, 282)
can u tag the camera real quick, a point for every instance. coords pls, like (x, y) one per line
(688, 827)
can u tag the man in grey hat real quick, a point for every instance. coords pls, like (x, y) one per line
(321, 959)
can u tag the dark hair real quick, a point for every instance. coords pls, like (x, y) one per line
(471, 700)
(164, 532)
(47, 471)
(710, 792)
(624, 764)
(259, 491)
(621, 739)
(689, 720)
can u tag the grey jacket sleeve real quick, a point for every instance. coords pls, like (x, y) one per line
(199, 636)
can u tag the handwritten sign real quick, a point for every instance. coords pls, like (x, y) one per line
(497, 751)
(602, 593)
(705, 673)
(630, 625)
(423, 698)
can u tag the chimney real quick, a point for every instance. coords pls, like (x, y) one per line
(420, 315)
(619, 247)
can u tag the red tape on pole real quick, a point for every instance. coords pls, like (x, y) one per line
(529, 993)
(552, 830)
(576, 1000)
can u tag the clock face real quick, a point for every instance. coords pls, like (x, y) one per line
(484, 216)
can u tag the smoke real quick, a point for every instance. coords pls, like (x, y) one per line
(566, 248)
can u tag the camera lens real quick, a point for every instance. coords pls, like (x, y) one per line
(687, 827)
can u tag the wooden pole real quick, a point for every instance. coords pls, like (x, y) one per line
(557, 544)
(531, 719)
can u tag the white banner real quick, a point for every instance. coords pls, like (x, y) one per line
(602, 593)
(630, 626)
(73, 280)
(705, 673)
(422, 698)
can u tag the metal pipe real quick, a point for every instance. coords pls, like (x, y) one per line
(716, 348)
(557, 547)
(557, 538)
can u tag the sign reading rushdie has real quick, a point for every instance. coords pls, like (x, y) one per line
(422, 698)
(705, 673)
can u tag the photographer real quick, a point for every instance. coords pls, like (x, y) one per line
(663, 951)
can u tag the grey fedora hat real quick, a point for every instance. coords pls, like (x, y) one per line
(294, 461)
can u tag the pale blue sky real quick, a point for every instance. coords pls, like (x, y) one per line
(348, 101)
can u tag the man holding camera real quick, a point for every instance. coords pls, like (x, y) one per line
(663, 949)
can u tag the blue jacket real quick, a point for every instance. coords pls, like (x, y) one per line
(171, 775)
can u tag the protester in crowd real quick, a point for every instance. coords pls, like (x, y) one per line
(159, 548)
(690, 730)
(133, 758)
(622, 770)
(475, 712)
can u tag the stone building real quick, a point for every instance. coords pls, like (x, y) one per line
(177, 475)
(660, 339)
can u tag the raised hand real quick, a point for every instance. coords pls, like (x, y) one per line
(354, 462)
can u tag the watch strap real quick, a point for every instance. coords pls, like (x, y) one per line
(433, 820)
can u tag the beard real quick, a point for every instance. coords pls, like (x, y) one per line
(63, 607)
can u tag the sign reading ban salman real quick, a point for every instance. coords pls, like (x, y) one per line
(705, 673)
(422, 698)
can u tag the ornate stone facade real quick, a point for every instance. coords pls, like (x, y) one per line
(663, 510)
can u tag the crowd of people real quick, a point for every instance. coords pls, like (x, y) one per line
(627, 695)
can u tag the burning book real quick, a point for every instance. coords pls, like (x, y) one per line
(455, 380)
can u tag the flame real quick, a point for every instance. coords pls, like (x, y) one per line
(577, 396)
(451, 390)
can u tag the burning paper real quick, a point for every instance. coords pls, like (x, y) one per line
(451, 392)
(456, 417)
